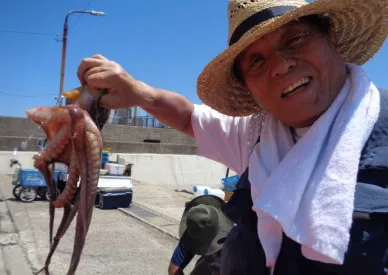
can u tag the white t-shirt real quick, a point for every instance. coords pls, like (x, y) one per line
(229, 140)
(225, 139)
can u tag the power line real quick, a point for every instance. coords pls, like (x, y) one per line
(47, 33)
(26, 95)
(31, 33)
(79, 15)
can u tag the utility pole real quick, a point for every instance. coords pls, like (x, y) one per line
(64, 47)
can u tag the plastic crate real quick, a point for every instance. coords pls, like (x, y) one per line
(33, 178)
(230, 183)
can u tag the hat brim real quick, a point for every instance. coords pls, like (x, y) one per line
(360, 29)
(205, 247)
(205, 199)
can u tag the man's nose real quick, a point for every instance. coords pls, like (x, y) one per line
(281, 64)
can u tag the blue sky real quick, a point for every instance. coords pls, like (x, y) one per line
(164, 43)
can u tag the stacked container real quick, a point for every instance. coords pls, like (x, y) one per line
(105, 157)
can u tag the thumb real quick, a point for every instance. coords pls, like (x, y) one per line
(112, 101)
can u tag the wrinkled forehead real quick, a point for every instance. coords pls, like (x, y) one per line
(278, 34)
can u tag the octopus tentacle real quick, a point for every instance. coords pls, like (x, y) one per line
(94, 150)
(56, 125)
(82, 153)
(57, 143)
(71, 185)
(55, 146)
(66, 210)
(52, 186)
(80, 231)
(78, 129)
(68, 219)
(76, 161)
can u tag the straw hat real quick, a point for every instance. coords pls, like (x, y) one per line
(360, 26)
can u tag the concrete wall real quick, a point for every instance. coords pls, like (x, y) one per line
(121, 138)
(8, 143)
(173, 171)
(124, 133)
(172, 162)
(178, 171)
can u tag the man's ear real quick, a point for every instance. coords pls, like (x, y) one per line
(238, 74)
(246, 88)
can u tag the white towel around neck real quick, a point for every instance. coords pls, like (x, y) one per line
(307, 189)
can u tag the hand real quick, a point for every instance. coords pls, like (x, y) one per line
(97, 72)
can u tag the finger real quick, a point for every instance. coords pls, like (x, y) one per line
(94, 70)
(106, 101)
(92, 89)
(85, 65)
(99, 56)
(111, 100)
(98, 80)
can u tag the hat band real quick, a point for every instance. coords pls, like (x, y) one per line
(256, 19)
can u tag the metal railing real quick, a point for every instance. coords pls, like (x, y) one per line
(142, 121)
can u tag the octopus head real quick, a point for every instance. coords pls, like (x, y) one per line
(49, 118)
(42, 115)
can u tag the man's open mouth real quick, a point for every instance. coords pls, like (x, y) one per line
(296, 87)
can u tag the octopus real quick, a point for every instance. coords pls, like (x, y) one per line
(74, 138)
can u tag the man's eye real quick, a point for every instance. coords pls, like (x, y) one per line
(300, 37)
(294, 40)
(255, 62)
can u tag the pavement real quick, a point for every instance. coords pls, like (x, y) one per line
(13, 260)
(116, 243)
(159, 206)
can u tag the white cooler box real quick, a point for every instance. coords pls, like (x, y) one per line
(114, 192)
(109, 181)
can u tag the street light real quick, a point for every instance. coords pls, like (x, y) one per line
(64, 46)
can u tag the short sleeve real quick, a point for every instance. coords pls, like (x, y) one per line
(181, 257)
(222, 138)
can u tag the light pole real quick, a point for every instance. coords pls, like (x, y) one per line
(64, 46)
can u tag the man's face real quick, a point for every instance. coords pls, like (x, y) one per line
(293, 73)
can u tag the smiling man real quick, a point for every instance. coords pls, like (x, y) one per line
(290, 109)
(295, 65)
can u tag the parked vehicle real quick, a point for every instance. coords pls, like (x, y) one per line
(29, 183)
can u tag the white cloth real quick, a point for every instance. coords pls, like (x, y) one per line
(307, 189)
(299, 132)
(225, 139)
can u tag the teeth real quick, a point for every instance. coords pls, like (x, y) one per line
(296, 84)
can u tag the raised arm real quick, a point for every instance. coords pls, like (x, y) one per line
(125, 91)
(172, 109)
(219, 137)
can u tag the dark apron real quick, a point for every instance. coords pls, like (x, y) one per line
(207, 265)
(367, 253)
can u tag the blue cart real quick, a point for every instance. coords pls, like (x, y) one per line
(30, 183)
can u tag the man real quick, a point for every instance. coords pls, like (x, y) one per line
(289, 102)
(203, 230)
